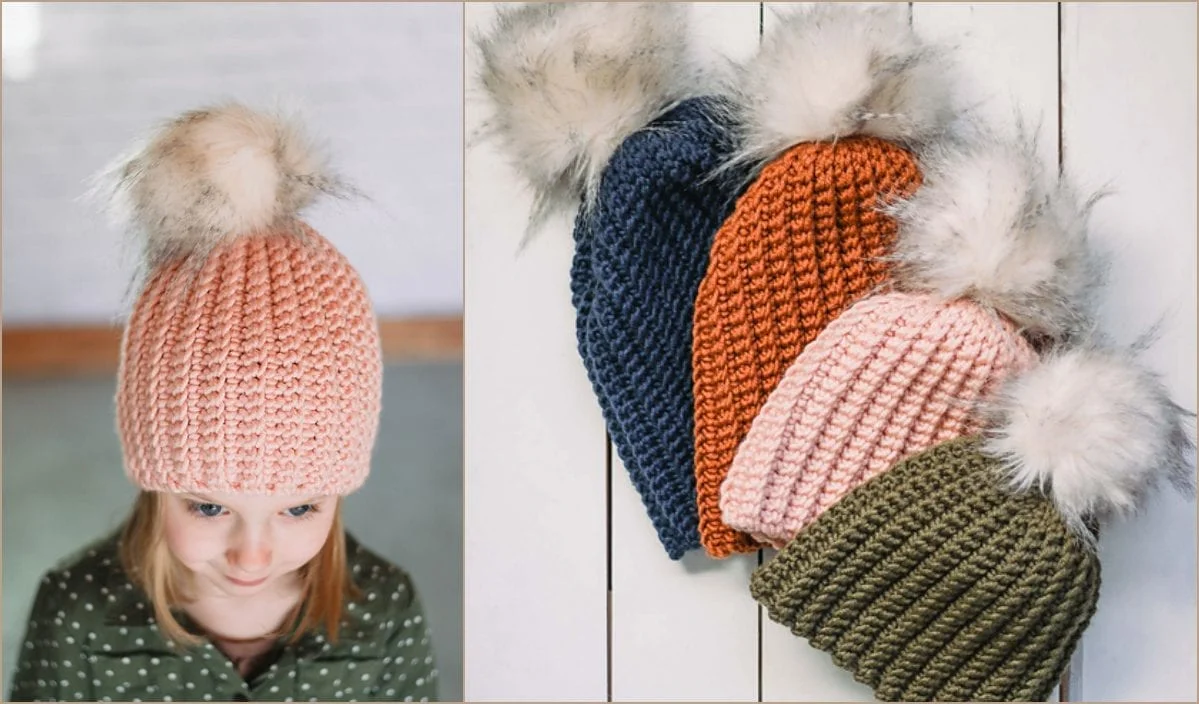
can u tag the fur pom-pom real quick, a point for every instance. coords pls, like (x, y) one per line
(212, 175)
(568, 82)
(1094, 429)
(989, 224)
(834, 71)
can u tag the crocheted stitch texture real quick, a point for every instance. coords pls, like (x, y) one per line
(257, 370)
(802, 245)
(932, 582)
(895, 374)
(639, 256)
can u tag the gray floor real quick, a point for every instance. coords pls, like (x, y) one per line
(63, 486)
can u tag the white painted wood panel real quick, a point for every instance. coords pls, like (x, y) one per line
(1129, 120)
(540, 624)
(1008, 56)
(536, 532)
(683, 629)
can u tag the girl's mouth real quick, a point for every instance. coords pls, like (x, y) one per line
(244, 583)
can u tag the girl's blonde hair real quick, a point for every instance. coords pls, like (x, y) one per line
(325, 581)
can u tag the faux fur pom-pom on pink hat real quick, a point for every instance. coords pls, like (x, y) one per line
(251, 360)
(991, 256)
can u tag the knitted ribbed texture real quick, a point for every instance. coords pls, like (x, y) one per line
(639, 256)
(896, 374)
(801, 246)
(258, 371)
(932, 582)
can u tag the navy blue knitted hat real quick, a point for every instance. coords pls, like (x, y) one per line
(596, 105)
(640, 254)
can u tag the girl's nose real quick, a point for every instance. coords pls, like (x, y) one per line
(250, 556)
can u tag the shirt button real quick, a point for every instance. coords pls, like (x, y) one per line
(239, 697)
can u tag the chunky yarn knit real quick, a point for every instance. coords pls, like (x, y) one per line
(894, 375)
(803, 244)
(933, 582)
(640, 252)
(255, 370)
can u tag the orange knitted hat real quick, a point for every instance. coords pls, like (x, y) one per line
(804, 242)
(893, 376)
(251, 361)
(831, 104)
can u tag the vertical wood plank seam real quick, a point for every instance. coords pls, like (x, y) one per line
(761, 656)
(608, 512)
(1061, 106)
(1063, 685)
(761, 553)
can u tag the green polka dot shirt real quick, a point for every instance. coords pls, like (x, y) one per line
(92, 637)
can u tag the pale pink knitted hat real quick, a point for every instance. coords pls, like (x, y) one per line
(991, 252)
(251, 362)
(895, 374)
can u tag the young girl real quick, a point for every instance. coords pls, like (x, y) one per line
(247, 405)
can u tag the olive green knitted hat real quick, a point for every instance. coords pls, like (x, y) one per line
(932, 583)
(968, 572)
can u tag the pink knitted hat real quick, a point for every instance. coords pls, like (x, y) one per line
(895, 374)
(991, 253)
(251, 362)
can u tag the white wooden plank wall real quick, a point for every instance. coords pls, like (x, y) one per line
(535, 484)
(569, 595)
(1128, 108)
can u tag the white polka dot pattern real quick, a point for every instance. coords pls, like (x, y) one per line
(120, 656)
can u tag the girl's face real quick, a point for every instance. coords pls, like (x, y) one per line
(242, 545)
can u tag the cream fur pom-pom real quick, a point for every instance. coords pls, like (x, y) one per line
(990, 224)
(837, 70)
(568, 82)
(212, 175)
(1094, 429)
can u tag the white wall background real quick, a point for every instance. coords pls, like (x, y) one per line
(569, 596)
(379, 83)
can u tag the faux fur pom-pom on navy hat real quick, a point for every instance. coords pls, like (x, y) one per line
(568, 83)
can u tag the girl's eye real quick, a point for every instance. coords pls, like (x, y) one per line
(206, 510)
(301, 511)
